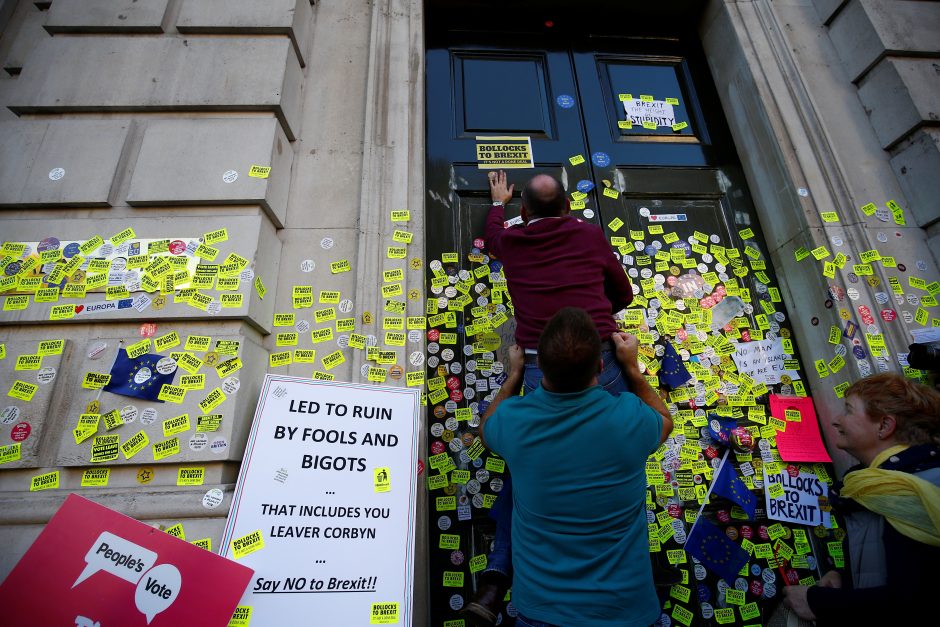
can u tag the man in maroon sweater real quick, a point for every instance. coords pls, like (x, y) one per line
(552, 260)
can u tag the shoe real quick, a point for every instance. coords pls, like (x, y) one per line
(665, 576)
(483, 610)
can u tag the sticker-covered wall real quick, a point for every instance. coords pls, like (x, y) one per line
(192, 194)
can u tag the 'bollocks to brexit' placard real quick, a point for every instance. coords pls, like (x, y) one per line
(93, 566)
(324, 509)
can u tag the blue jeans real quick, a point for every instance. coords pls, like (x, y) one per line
(500, 558)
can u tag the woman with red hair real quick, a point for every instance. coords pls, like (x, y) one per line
(890, 504)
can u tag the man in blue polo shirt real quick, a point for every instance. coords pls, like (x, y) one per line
(577, 454)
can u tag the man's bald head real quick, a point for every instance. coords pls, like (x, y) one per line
(544, 197)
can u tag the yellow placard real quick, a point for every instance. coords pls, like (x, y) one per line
(504, 152)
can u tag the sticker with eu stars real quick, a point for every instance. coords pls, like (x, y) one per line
(600, 159)
(584, 186)
(565, 101)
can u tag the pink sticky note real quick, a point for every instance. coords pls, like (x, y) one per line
(802, 441)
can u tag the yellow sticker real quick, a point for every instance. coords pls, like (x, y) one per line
(576, 160)
(333, 359)
(22, 390)
(176, 531)
(177, 424)
(382, 479)
(304, 356)
(112, 420)
(172, 393)
(96, 477)
(247, 544)
(115, 292)
(820, 253)
(135, 444)
(649, 125)
(198, 343)
(190, 476)
(384, 614)
(829, 216)
(260, 288)
(393, 252)
(167, 448)
(47, 481)
(86, 427)
(679, 126)
(610, 192)
(28, 362)
(286, 339)
(204, 543)
(188, 362)
(228, 367)
(340, 266)
(47, 295)
(9, 453)
(400, 215)
(324, 315)
(615, 224)
(402, 236)
(15, 303)
(259, 172)
(212, 400)
(138, 348)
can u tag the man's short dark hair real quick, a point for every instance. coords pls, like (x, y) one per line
(544, 197)
(569, 350)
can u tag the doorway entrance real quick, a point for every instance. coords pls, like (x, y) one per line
(626, 116)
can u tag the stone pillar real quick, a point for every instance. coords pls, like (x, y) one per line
(814, 163)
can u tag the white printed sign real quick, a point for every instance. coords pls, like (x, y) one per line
(763, 360)
(657, 111)
(800, 501)
(329, 480)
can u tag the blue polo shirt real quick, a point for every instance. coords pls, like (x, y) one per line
(580, 552)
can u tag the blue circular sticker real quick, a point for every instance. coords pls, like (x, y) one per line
(584, 186)
(685, 245)
(600, 159)
(565, 101)
(70, 251)
(496, 266)
(650, 250)
(859, 352)
(50, 243)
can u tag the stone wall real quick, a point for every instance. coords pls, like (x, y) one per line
(150, 116)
